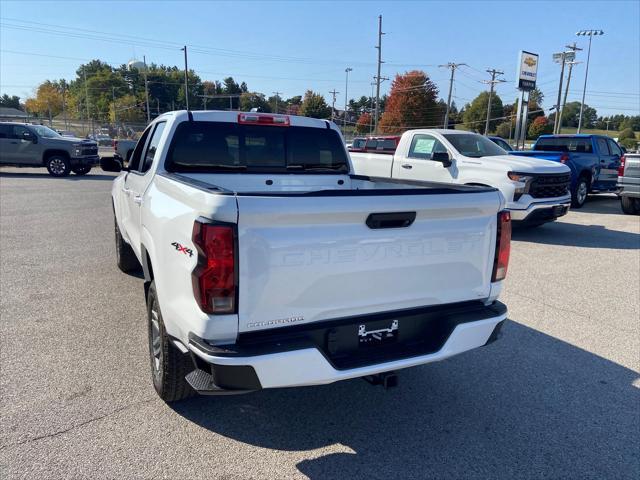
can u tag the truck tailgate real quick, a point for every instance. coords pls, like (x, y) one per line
(309, 258)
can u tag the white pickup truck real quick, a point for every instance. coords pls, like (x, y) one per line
(267, 263)
(536, 191)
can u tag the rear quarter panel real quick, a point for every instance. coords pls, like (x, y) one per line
(170, 210)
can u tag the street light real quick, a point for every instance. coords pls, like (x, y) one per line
(346, 87)
(590, 34)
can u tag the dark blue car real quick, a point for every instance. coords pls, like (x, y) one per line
(593, 160)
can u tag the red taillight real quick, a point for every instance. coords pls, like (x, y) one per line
(214, 278)
(503, 247)
(621, 167)
(564, 158)
(260, 119)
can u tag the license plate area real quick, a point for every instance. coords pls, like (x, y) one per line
(372, 336)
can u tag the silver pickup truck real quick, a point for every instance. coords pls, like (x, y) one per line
(629, 184)
(27, 145)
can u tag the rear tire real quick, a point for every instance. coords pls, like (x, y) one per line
(630, 206)
(82, 170)
(579, 194)
(58, 166)
(126, 259)
(169, 366)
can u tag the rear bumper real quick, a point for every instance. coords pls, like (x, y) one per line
(543, 211)
(332, 351)
(628, 187)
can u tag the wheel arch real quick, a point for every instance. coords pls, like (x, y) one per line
(51, 152)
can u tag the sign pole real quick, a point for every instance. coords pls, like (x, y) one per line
(516, 136)
(527, 75)
(525, 114)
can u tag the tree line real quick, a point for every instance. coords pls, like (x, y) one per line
(104, 93)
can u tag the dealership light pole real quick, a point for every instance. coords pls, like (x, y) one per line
(346, 99)
(590, 34)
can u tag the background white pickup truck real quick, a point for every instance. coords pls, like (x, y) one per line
(536, 191)
(268, 264)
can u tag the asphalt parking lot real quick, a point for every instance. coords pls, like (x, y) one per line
(558, 396)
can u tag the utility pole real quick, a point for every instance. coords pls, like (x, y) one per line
(86, 96)
(277, 96)
(186, 78)
(566, 92)
(158, 105)
(146, 88)
(378, 78)
(556, 122)
(453, 67)
(64, 105)
(115, 111)
(590, 34)
(608, 122)
(493, 72)
(373, 84)
(346, 104)
(333, 103)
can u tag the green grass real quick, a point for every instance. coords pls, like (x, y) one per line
(594, 131)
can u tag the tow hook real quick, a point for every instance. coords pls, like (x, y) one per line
(386, 379)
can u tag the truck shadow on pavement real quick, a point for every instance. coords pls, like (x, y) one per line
(528, 406)
(72, 177)
(578, 235)
(603, 203)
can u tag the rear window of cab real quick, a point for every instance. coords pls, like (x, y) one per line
(564, 144)
(225, 146)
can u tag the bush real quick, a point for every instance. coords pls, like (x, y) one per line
(626, 133)
(629, 143)
(504, 130)
(540, 126)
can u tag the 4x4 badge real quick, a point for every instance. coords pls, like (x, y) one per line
(183, 249)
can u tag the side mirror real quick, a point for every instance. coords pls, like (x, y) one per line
(442, 157)
(110, 164)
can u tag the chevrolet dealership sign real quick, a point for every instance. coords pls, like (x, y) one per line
(528, 70)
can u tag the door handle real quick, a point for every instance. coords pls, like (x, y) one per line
(137, 199)
(407, 166)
